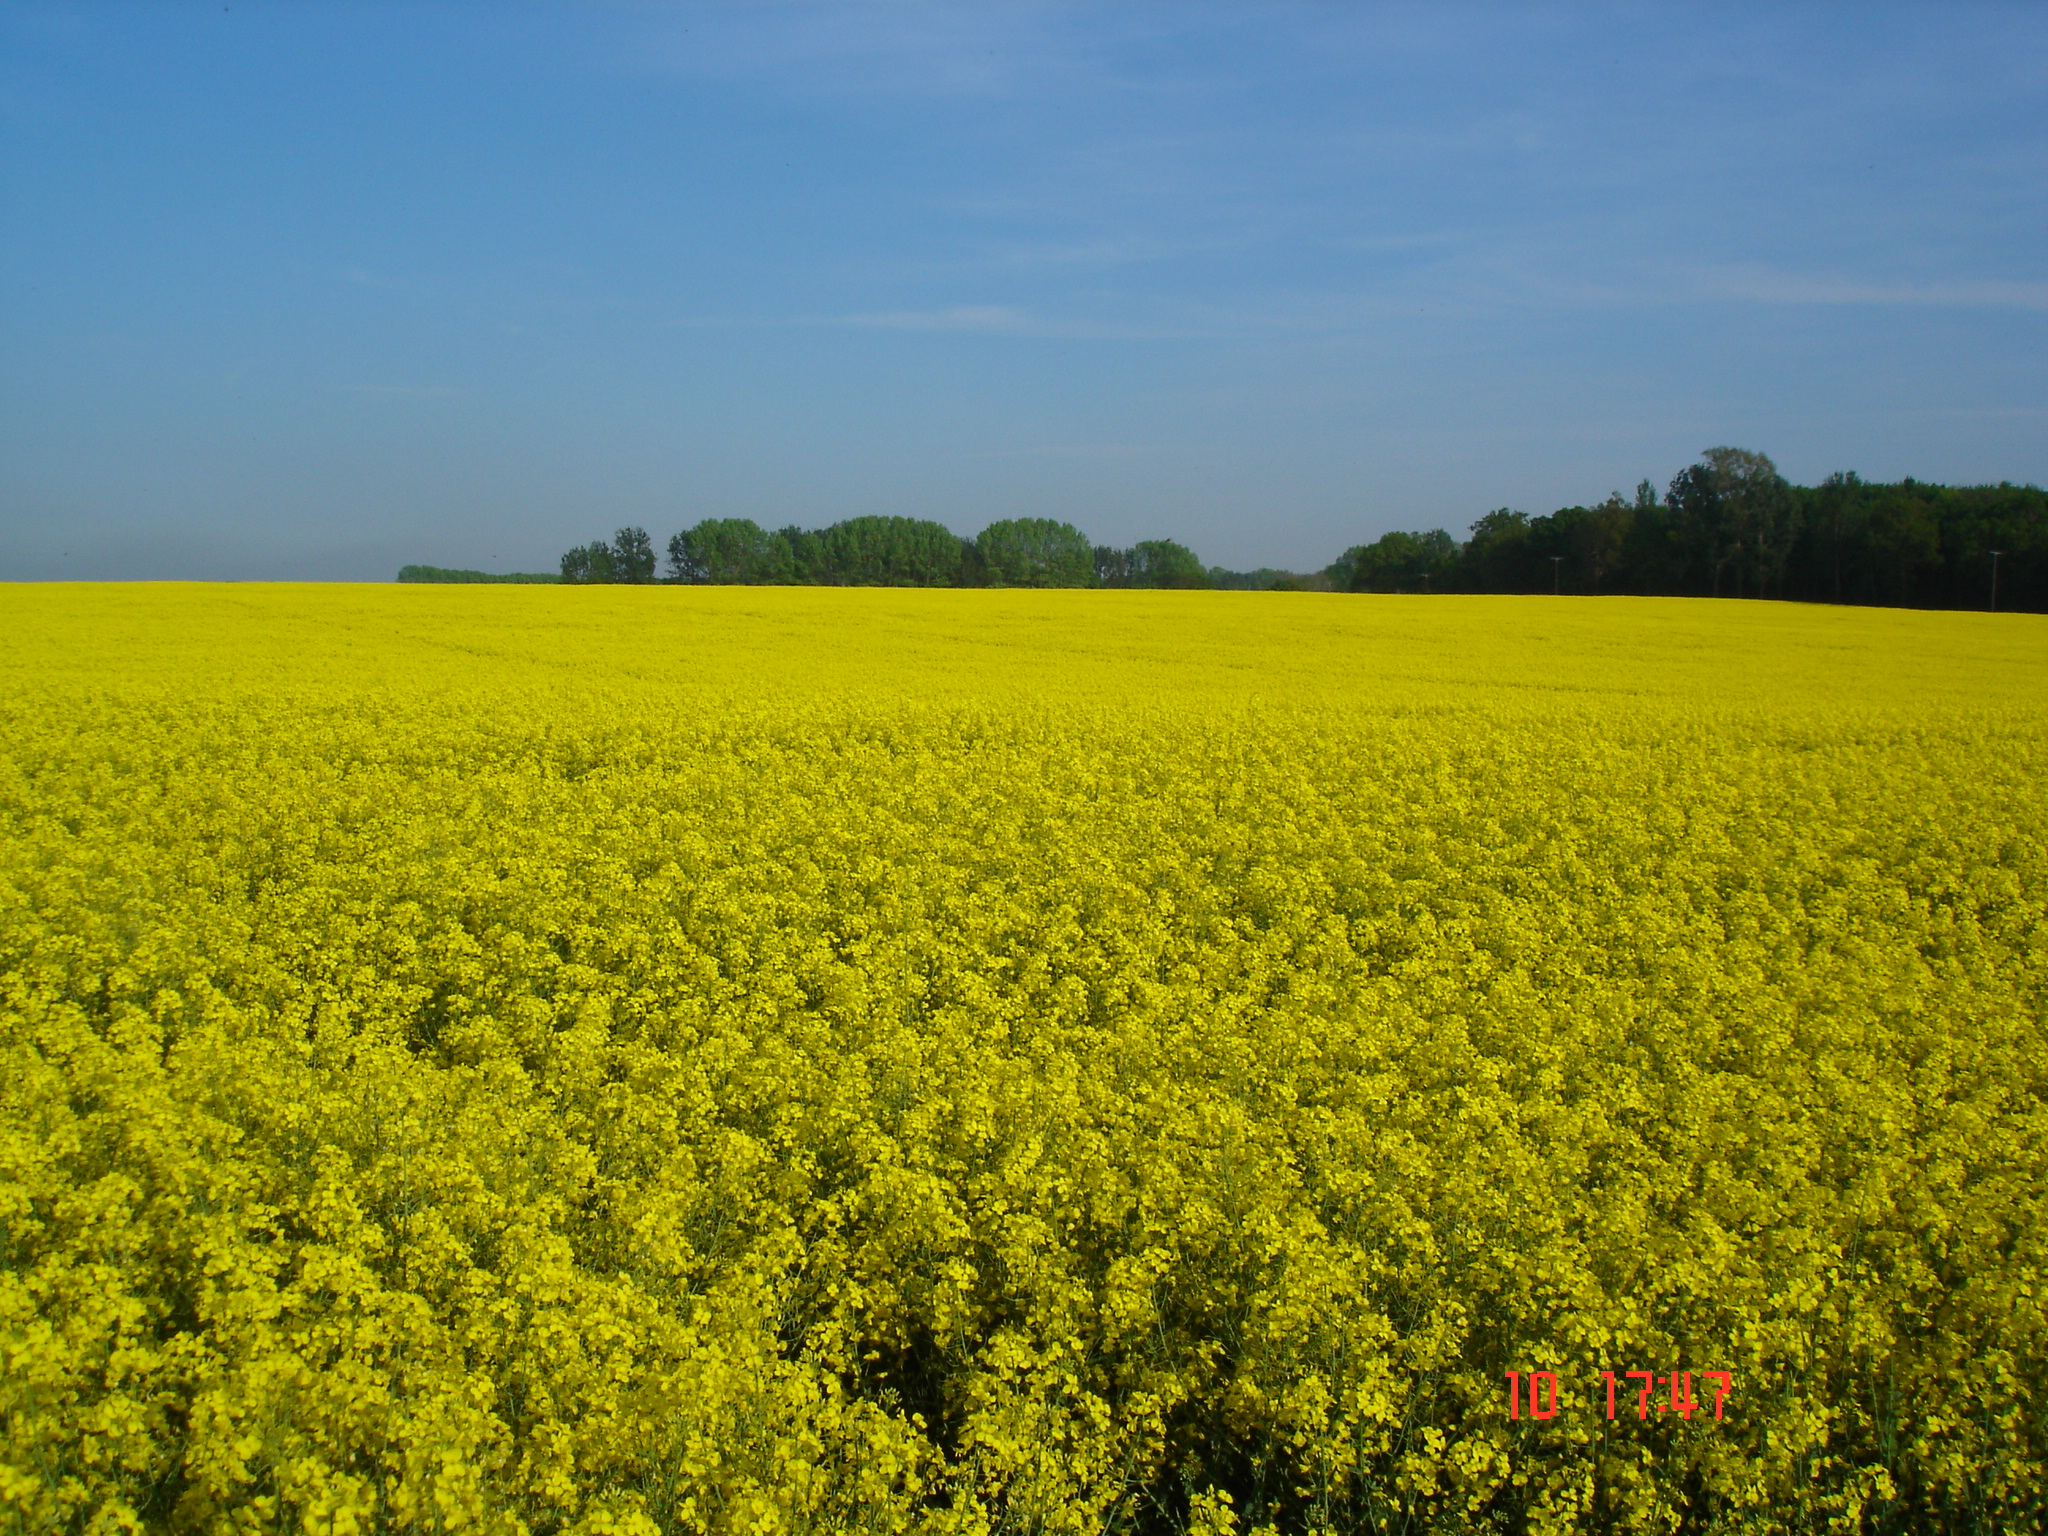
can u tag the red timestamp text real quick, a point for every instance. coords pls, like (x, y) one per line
(1661, 1393)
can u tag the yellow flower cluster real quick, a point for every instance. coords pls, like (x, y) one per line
(526, 1059)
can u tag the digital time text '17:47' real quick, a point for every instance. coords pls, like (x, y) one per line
(1542, 1392)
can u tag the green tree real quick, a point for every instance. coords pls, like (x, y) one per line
(1400, 562)
(1731, 524)
(731, 551)
(1034, 552)
(588, 564)
(1735, 514)
(632, 556)
(1766, 516)
(1652, 562)
(1267, 579)
(885, 552)
(1164, 563)
(1904, 542)
(1497, 554)
(1702, 529)
(1600, 540)
(1834, 515)
(1916, 543)
(805, 558)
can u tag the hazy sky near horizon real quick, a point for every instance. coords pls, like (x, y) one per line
(293, 289)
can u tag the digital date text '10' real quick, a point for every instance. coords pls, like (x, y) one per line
(1542, 1392)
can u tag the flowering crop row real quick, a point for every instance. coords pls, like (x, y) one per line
(497, 1059)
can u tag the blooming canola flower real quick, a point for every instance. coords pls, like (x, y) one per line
(748, 1059)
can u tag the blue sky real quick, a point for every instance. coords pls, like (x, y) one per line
(306, 290)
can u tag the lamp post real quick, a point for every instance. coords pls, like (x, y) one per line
(1555, 562)
(1994, 577)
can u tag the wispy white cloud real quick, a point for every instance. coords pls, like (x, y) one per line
(363, 277)
(1773, 287)
(406, 391)
(930, 48)
(1376, 244)
(1110, 316)
(1076, 451)
(1000, 318)
(1987, 413)
(1462, 287)
(1107, 252)
(1008, 320)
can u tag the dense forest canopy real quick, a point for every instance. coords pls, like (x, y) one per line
(1732, 526)
(1034, 552)
(1728, 525)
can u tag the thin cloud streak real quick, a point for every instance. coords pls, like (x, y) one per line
(406, 391)
(1819, 288)
(1079, 451)
(913, 48)
(998, 318)
(1007, 320)
(1470, 290)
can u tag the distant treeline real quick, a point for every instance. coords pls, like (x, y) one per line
(888, 552)
(1732, 526)
(441, 573)
(1727, 526)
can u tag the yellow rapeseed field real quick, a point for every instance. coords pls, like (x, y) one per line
(533, 1059)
